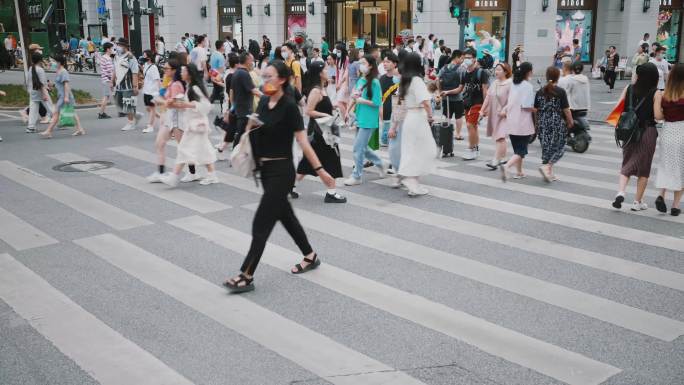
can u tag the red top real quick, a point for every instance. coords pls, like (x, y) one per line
(673, 111)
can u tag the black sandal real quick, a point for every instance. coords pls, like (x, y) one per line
(235, 287)
(312, 264)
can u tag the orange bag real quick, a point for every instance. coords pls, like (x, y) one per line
(614, 115)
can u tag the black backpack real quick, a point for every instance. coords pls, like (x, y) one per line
(628, 129)
(449, 78)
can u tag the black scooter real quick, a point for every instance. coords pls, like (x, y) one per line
(578, 137)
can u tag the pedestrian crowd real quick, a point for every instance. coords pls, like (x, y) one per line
(413, 99)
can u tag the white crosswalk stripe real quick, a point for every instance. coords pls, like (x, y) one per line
(179, 197)
(317, 353)
(20, 234)
(85, 204)
(105, 354)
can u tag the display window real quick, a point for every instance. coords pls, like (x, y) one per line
(670, 28)
(295, 18)
(575, 19)
(487, 29)
(375, 22)
(230, 19)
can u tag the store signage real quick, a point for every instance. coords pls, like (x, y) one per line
(576, 4)
(297, 8)
(488, 4)
(671, 4)
(372, 10)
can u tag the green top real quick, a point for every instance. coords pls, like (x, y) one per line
(369, 116)
(325, 49)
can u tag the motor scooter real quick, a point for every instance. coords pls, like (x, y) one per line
(578, 137)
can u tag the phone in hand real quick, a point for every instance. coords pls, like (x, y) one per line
(255, 119)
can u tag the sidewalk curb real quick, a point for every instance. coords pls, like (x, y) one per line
(78, 107)
(92, 74)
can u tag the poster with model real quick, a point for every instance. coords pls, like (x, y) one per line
(296, 24)
(486, 32)
(574, 24)
(668, 33)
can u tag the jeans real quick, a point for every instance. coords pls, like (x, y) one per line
(34, 112)
(386, 124)
(362, 151)
(395, 150)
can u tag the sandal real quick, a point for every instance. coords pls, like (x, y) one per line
(235, 287)
(459, 138)
(312, 264)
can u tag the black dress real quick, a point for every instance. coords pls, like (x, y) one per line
(329, 157)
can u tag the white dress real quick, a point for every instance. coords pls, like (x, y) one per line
(195, 146)
(417, 143)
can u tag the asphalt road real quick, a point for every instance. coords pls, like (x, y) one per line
(107, 279)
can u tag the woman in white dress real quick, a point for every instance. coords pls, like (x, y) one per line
(194, 148)
(417, 143)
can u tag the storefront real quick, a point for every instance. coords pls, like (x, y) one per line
(670, 28)
(230, 20)
(488, 27)
(575, 19)
(295, 18)
(376, 22)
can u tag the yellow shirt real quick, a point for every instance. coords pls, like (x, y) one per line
(296, 69)
(256, 79)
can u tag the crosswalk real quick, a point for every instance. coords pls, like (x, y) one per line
(375, 265)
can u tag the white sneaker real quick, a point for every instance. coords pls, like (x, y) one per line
(639, 206)
(45, 120)
(396, 182)
(351, 181)
(211, 178)
(30, 130)
(188, 177)
(470, 154)
(170, 179)
(155, 178)
(418, 191)
(148, 129)
(128, 127)
(382, 169)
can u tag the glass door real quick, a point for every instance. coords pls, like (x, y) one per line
(374, 23)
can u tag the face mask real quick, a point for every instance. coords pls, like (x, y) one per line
(119, 50)
(468, 62)
(335, 51)
(396, 79)
(364, 69)
(285, 55)
(270, 89)
(659, 56)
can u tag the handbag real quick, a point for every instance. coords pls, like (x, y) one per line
(628, 129)
(330, 129)
(67, 116)
(242, 157)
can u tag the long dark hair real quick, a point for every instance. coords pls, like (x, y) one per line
(36, 59)
(195, 80)
(175, 63)
(342, 55)
(284, 72)
(521, 72)
(314, 71)
(371, 75)
(552, 76)
(647, 80)
(411, 66)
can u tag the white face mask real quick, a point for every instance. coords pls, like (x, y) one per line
(120, 50)
(335, 51)
(285, 54)
(468, 62)
(364, 69)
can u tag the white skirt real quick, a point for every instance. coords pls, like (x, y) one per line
(417, 145)
(195, 148)
(670, 168)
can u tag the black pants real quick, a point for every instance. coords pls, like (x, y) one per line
(240, 127)
(277, 177)
(610, 78)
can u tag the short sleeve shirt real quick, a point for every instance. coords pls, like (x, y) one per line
(417, 93)
(217, 61)
(37, 95)
(473, 82)
(151, 85)
(275, 137)
(61, 78)
(386, 82)
(369, 116)
(242, 86)
(296, 68)
(560, 94)
(127, 83)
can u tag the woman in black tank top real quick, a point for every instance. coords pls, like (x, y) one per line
(318, 106)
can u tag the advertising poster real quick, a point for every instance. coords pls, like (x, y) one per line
(668, 33)
(295, 24)
(487, 32)
(574, 24)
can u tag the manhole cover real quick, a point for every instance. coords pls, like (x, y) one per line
(83, 166)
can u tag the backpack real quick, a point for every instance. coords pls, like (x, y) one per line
(449, 78)
(467, 92)
(628, 129)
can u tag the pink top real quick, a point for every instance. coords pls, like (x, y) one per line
(496, 102)
(520, 122)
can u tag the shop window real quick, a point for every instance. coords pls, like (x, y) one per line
(669, 21)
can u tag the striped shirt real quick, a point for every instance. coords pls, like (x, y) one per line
(106, 67)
